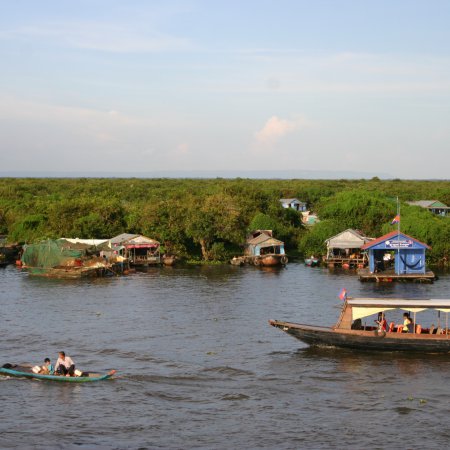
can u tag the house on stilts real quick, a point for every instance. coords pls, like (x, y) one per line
(396, 257)
(345, 250)
(139, 250)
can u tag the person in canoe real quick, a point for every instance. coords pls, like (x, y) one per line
(47, 368)
(64, 365)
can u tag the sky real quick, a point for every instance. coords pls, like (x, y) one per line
(203, 85)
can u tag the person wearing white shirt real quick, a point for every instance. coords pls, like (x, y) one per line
(65, 366)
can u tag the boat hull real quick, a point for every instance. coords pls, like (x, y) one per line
(273, 260)
(365, 340)
(23, 373)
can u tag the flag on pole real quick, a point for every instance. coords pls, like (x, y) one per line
(343, 294)
(396, 219)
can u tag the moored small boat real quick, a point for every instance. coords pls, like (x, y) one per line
(349, 333)
(312, 262)
(27, 372)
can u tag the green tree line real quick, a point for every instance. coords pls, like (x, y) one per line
(209, 219)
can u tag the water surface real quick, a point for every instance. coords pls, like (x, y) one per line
(199, 366)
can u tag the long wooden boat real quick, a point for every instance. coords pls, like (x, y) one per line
(348, 332)
(26, 372)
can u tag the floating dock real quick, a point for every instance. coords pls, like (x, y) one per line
(390, 275)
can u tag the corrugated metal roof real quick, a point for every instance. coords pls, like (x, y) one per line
(429, 204)
(139, 240)
(292, 200)
(390, 235)
(132, 239)
(349, 238)
(264, 238)
(122, 238)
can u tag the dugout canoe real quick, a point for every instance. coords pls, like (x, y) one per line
(26, 372)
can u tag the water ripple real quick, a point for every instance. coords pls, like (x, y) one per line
(199, 367)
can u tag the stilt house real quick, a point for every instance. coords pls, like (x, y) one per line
(140, 250)
(407, 253)
(344, 249)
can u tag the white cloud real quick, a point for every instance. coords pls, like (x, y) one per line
(276, 128)
(100, 36)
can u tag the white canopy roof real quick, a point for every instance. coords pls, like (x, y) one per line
(402, 303)
(363, 307)
(86, 241)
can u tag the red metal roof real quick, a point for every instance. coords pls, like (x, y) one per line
(389, 236)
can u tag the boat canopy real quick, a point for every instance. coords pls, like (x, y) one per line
(364, 307)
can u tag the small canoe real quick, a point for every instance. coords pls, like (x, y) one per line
(311, 262)
(25, 372)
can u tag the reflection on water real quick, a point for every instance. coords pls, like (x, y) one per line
(199, 367)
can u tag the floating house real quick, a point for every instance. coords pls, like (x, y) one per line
(396, 256)
(139, 250)
(434, 206)
(293, 203)
(263, 249)
(64, 259)
(345, 249)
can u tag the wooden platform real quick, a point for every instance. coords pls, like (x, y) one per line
(390, 275)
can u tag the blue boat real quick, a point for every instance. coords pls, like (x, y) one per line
(26, 372)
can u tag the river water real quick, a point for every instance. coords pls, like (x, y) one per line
(199, 366)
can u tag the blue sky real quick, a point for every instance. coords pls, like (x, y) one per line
(140, 86)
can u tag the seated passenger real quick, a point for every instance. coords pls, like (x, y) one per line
(65, 366)
(47, 368)
(381, 321)
(408, 326)
(356, 325)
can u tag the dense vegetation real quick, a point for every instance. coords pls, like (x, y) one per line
(210, 219)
